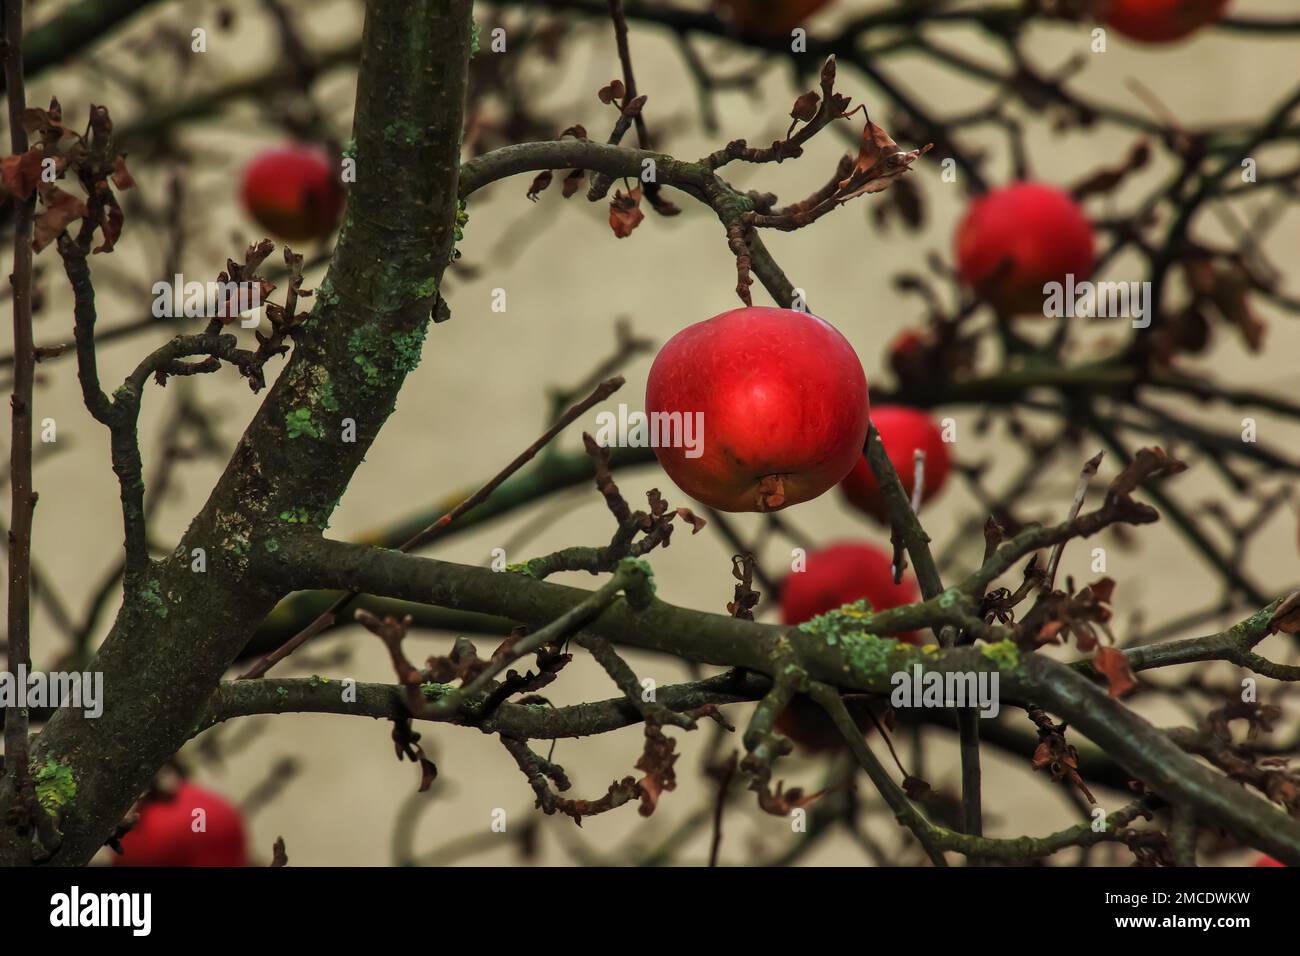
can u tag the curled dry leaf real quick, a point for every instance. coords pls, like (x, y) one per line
(691, 518)
(20, 175)
(1113, 665)
(572, 183)
(1060, 759)
(1224, 286)
(660, 203)
(61, 209)
(615, 91)
(633, 108)
(540, 182)
(880, 161)
(625, 212)
(1147, 463)
(917, 788)
(805, 107)
(657, 763)
(110, 227)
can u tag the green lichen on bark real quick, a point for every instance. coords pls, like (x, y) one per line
(364, 345)
(876, 659)
(839, 622)
(151, 596)
(408, 347)
(327, 399)
(298, 423)
(462, 219)
(1004, 654)
(55, 785)
(402, 132)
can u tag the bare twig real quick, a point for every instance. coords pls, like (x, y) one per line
(22, 495)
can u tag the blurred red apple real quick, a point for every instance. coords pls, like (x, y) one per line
(1016, 239)
(294, 192)
(767, 18)
(1160, 21)
(781, 399)
(904, 431)
(168, 834)
(837, 575)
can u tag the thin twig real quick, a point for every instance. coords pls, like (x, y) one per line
(22, 496)
(1080, 493)
(724, 785)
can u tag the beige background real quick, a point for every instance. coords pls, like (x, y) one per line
(477, 399)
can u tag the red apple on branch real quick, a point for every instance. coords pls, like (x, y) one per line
(1016, 239)
(1160, 21)
(172, 831)
(294, 192)
(904, 431)
(781, 399)
(837, 575)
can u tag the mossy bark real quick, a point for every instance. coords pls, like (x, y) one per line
(176, 633)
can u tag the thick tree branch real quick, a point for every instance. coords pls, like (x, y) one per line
(169, 647)
(855, 663)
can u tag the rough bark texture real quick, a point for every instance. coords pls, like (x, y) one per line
(176, 635)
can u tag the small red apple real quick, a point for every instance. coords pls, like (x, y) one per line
(1161, 21)
(837, 575)
(1016, 239)
(1269, 861)
(767, 18)
(168, 834)
(904, 431)
(782, 400)
(294, 192)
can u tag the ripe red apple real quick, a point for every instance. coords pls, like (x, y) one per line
(165, 833)
(1015, 239)
(1161, 21)
(767, 18)
(837, 575)
(1269, 861)
(294, 192)
(904, 430)
(783, 401)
